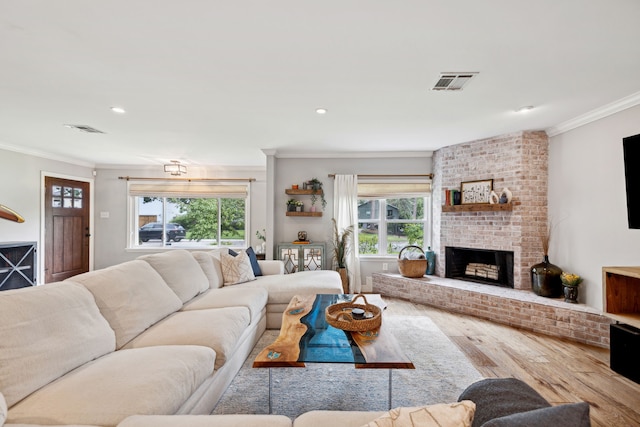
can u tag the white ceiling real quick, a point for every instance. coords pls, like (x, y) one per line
(215, 82)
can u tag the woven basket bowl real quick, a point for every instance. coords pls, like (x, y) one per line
(339, 316)
(412, 268)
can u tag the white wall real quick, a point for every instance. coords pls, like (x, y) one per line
(587, 201)
(21, 189)
(110, 233)
(290, 171)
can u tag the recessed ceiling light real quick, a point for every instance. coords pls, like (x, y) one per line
(118, 110)
(524, 109)
(321, 110)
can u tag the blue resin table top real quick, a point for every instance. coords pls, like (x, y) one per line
(306, 337)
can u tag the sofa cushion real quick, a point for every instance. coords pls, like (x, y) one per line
(45, 332)
(210, 267)
(498, 397)
(236, 269)
(569, 415)
(132, 296)
(255, 299)
(271, 266)
(458, 414)
(231, 420)
(282, 288)
(219, 329)
(181, 271)
(153, 380)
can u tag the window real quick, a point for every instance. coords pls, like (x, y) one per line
(193, 215)
(392, 216)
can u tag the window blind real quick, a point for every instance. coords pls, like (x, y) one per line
(393, 189)
(189, 189)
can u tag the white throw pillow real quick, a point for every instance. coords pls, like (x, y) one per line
(236, 269)
(458, 414)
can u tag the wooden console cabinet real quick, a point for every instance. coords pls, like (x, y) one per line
(621, 294)
(302, 257)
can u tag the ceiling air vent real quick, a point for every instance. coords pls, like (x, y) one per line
(84, 128)
(453, 81)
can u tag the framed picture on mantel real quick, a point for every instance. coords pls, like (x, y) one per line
(474, 192)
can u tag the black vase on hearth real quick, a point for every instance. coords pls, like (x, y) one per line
(545, 279)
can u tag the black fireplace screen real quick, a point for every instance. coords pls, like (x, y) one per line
(480, 265)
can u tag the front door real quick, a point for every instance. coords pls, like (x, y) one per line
(66, 234)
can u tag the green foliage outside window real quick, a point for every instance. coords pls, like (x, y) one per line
(199, 217)
(368, 243)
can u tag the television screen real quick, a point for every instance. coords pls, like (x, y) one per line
(631, 147)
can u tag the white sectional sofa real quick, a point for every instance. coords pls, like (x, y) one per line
(159, 335)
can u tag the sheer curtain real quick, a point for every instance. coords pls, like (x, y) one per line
(345, 212)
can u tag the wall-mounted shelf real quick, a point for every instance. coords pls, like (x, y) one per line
(292, 192)
(304, 213)
(622, 294)
(308, 192)
(478, 207)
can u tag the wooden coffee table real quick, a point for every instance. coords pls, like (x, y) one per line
(306, 337)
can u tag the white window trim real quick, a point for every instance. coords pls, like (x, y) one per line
(382, 223)
(132, 244)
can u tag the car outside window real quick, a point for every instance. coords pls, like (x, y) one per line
(189, 222)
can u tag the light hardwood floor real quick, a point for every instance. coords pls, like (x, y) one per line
(560, 370)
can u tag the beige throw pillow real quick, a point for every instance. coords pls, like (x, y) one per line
(459, 414)
(236, 269)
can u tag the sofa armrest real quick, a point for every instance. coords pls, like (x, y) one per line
(271, 267)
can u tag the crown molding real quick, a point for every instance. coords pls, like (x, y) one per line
(597, 114)
(46, 155)
(351, 154)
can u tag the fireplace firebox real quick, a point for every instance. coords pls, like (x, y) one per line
(486, 266)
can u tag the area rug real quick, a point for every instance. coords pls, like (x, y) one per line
(442, 373)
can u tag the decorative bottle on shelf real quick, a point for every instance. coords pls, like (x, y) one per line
(545, 279)
(431, 261)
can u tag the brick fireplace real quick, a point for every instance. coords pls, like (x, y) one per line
(517, 161)
(485, 266)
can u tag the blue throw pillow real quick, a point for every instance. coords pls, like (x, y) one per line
(254, 262)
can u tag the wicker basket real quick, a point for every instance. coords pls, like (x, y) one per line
(339, 316)
(412, 268)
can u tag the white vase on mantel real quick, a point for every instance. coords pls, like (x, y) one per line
(505, 196)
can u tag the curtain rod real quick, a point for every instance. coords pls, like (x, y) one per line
(185, 179)
(428, 175)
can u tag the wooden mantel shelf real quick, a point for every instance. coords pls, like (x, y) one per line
(478, 207)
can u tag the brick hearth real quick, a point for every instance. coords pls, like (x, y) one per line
(518, 308)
